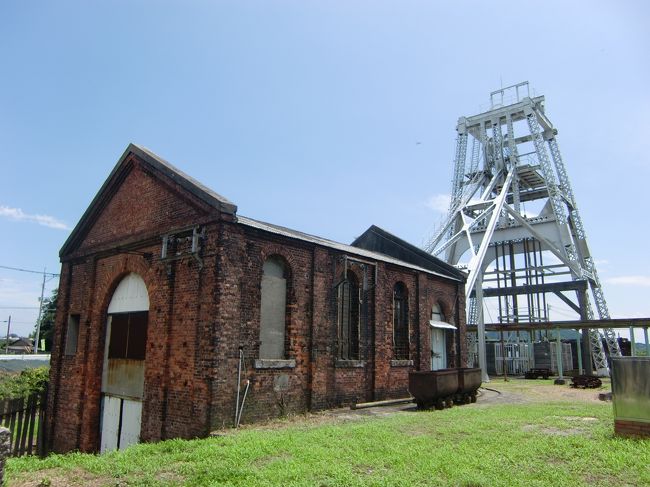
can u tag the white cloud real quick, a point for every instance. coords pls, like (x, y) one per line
(44, 220)
(629, 281)
(439, 202)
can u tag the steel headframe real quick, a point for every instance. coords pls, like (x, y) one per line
(488, 193)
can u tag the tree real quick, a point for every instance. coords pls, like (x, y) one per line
(48, 315)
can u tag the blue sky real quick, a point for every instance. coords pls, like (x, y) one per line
(322, 116)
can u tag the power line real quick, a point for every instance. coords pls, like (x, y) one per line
(31, 272)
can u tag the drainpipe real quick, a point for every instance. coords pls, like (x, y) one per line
(241, 357)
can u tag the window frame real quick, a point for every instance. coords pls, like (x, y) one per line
(72, 335)
(348, 315)
(401, 322)
(282, 323)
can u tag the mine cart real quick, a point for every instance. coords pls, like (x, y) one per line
(469, 380)
(435, 388)
(537, 373)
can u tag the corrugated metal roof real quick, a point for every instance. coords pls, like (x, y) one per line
(348, 249)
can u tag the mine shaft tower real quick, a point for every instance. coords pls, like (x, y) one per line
(514, 226)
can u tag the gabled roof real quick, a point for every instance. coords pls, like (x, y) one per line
(349, 249)
(158, 164)
(379, 240)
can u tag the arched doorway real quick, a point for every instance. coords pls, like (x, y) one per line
(124, 359)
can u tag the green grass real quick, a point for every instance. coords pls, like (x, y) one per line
(537, 443)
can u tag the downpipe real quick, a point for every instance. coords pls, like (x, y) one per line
(239, 367)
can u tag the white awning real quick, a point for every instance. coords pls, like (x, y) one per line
(442, 324)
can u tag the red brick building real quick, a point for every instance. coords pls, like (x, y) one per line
(164, 287)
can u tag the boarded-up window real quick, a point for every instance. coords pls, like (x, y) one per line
(72, 334)
(273, 312)
(400, 322)
(128, 335)
(348, 319)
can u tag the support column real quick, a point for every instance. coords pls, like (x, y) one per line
(579, 349)
(480, 328)
(558, 356)
(586, 341)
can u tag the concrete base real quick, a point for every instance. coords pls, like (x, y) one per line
(632, 428)
(559, 382)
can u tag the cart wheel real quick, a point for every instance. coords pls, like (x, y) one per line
(473, 397)
(440, 404)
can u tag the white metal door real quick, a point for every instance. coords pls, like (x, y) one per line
(131, 417)
(120, 423)
(438, 349)
(110, 422)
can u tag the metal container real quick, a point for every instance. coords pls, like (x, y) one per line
(469, 380)
(433, 388)
(631, 395)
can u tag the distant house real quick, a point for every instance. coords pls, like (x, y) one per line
(19, 346)
(164, 286)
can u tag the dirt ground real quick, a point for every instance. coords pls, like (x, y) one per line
(497, 391)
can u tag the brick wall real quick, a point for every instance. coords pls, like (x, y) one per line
(204, 311)
(179, 349)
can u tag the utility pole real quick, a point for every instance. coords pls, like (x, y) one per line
(40, 313)
(8, 328)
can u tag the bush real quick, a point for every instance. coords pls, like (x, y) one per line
(24, 384)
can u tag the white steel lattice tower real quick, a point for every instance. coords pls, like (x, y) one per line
(513, 221)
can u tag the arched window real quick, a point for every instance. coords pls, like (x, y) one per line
(273, 309)
(348, 318)
(400, 322)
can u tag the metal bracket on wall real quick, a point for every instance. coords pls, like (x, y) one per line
(182, 244)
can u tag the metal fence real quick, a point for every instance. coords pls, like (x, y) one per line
(518, 358)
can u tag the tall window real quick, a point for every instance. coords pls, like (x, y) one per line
(273, 311)
(400, 322)
(72, 334)
(436, 313)
(348, 318)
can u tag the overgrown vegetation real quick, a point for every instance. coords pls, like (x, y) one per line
(24, 383)
(546, 440)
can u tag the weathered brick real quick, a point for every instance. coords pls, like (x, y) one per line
(202, 312)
